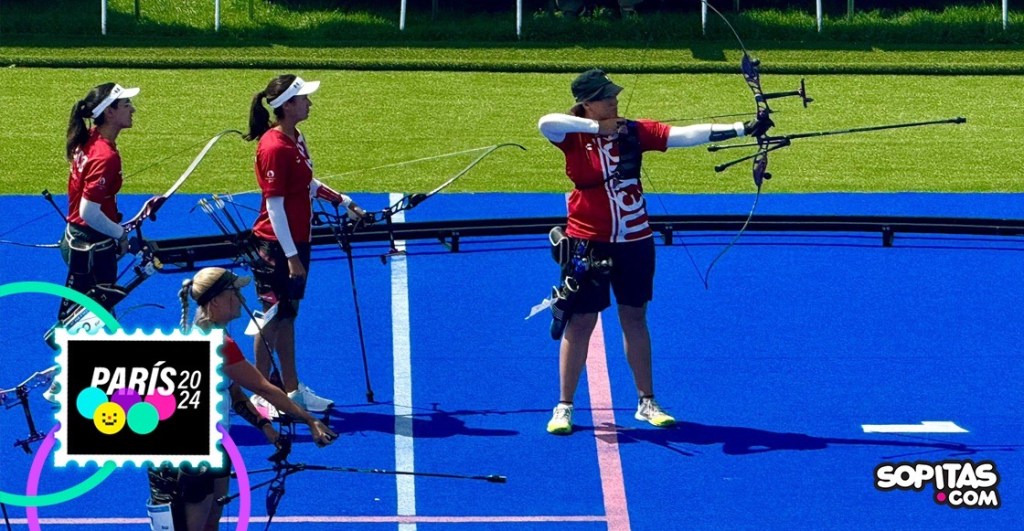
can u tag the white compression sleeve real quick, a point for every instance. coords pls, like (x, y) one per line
(555, 126)
(695, 135)
(279, 220)
(94, 217)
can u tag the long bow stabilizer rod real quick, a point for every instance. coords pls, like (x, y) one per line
(772, 143)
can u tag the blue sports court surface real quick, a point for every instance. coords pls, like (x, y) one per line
(801, 341)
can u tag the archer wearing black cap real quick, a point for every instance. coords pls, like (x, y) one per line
(593, 85)
(607, 212)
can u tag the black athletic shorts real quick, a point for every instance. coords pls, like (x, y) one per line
(86, 269)
(191, 485)
(631, 277)
(272, 283)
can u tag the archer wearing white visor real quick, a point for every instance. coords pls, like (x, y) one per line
(284, 172)
(94, 239)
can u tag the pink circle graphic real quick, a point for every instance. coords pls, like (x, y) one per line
(165, 404)
(125, 397)
(940, 497)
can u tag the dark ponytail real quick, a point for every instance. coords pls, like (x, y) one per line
(259, 117)
(78, 132)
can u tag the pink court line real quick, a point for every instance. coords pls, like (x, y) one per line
(345, 520)
(605, 435)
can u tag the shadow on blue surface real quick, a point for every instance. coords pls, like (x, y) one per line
(736, 440)
(343, 420)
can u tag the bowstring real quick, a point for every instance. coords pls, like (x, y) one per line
(389, 165)
(647, 174)
(23, 244)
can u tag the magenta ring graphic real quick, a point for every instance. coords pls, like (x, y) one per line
(244, 495)
(244, 499)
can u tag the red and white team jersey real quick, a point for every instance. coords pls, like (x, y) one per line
(600, 208)
(232, 354)
(284, 169)
(95, 175)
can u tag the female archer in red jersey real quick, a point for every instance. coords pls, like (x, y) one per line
(607, 211)
(282, 230)
(93, 239)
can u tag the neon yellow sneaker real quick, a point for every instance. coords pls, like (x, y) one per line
(648, 410)
(561, 420)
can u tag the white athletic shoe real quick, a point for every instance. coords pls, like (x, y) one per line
(305, 397)
(648, 410)
(51, 394)
(561, 420)
(265, 408)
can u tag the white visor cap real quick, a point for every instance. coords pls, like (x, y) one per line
(116, 93)
(297, 88)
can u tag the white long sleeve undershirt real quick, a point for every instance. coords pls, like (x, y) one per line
(92, 214)
(555, 126)
(314, 186)
(279, 221)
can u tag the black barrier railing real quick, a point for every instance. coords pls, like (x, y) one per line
(187, 252)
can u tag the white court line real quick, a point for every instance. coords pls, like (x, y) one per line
(926, 426)
(404, 456)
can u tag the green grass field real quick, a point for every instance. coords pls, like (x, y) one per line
(365, 119)
(695, 58)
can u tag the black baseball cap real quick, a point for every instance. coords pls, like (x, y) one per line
(212, 281)
(594, 85)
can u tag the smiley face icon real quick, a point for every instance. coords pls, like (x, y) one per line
(109, 418)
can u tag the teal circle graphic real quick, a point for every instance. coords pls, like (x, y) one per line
(31, 502)
(47, 288)
(88, 400)
(143, 418)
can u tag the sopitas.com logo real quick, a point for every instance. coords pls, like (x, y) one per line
(959, 484)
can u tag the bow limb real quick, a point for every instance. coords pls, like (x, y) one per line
(153, 204)
(760, 162)
(199, 158)
(465, 170)
(410, 201)
(751, 70)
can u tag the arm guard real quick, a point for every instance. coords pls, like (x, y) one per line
(326, 193)
(725, 132)
(246, 411)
